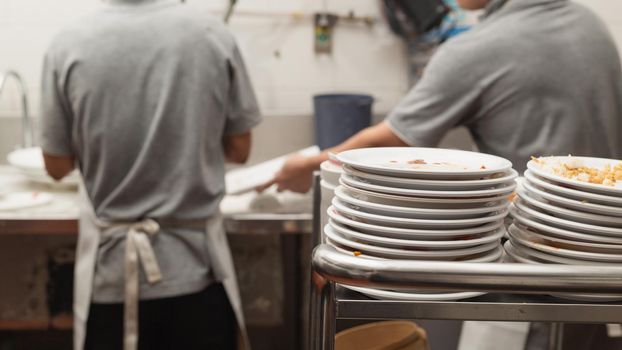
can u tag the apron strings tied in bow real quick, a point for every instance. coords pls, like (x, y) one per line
(138, 247)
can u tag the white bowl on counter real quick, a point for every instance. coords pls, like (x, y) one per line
(29, 163)
(330, 172)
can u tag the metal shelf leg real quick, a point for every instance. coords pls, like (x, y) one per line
(556, 336)
(323, 316)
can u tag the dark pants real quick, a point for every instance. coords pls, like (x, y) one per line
(204, 320)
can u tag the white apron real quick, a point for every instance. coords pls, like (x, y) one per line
(139, 255)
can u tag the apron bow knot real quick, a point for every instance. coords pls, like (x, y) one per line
(138, 246)
(148, 226)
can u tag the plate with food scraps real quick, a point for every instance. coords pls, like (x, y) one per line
(573, 193)
(568, 214)
(422, 202)
(351, 251)
(573, 203)
(555, 241)
(416, 213)
(547, 258)
(424, 163)
(415, 244)
(353, 181)
(563, 223)
(449, 254)
(598, 175)
(415, 223)
(525, 220)
(432, 184)
(406, 233)
(538, 243)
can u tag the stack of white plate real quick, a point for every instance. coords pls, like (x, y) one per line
(420, 204)
(558, 220)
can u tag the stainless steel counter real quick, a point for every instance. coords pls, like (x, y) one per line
(61, 215)
(270, 250)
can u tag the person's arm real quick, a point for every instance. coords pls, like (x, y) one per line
(56, 121)
(243, 111)
(237, 147)
(445, 97)
(297, 173)
(58, 166)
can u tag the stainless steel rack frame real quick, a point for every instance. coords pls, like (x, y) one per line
(518, 292)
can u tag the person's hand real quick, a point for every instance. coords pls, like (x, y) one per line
(296, 175)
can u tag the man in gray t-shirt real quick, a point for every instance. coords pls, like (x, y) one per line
(150, 99)
(535, 77)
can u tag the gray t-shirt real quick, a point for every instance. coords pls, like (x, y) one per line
(536, 77)
(141, 95)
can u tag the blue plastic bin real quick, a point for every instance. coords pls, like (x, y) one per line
(339, 116)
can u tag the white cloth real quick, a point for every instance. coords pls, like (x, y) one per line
(478, 335)
(138, 247)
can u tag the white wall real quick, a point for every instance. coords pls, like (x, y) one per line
(611, 12)
(365, 59)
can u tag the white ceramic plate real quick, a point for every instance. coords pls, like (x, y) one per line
(23, 200)
(415, 244)
(453, 254)
(572, 193)
(399, 161)
(535, 242)
(415, 213)
(516, 256)
(27, 158)
(392, 295)
(554, 241)
(422, 202)
(414, 223)
(330, 172)
(524, 219)
(431, 184)
(352, 181)
(573, 203)
(602, 298)
(549, 258)
(542, 168)
(491, 256)
(350, 251)
(569, 214)
(404, 233)
(569, 224)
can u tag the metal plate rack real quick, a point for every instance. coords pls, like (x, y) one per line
(518, 292)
